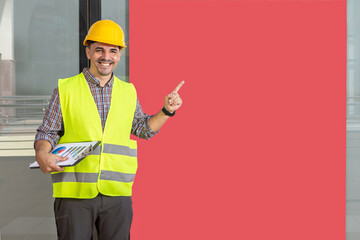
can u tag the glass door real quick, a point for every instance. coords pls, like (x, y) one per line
(40, 42)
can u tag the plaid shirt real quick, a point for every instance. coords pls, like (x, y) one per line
(52, 127)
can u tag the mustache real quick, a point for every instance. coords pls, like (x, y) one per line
(105, 61)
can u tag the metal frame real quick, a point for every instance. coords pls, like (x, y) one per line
(89, 12)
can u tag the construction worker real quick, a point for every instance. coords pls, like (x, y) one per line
(97, 191)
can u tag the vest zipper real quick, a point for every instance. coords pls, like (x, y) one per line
(104, 108)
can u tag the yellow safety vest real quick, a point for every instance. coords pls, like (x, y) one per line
(110, 171)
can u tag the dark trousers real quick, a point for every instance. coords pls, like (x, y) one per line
(75, 218)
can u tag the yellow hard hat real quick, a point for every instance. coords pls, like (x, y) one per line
(106, 31)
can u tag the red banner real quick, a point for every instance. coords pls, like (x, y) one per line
(257, 151)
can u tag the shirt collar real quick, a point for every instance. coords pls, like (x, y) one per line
(91, 79)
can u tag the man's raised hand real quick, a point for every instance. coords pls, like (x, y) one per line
(173, 101)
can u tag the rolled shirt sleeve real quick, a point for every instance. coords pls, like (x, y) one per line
(52, 126)
(140, 126)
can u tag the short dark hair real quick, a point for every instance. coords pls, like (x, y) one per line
(89, 42)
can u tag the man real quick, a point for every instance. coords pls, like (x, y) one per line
(97, 106)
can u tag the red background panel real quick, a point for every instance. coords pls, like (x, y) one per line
(257, 151)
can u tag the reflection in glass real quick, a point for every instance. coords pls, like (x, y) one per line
(353, 122)
(38, 44)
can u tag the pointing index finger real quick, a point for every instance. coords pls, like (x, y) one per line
(178, 87)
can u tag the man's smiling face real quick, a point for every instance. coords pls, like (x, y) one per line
(103, 59)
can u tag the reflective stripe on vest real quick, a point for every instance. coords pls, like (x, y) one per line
(111, 168)
(74, 177)
(116, 149)
(117, 176)
(121, 150)
(92, 177)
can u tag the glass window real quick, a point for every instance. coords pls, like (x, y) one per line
(118, 11)
(39, 43)
(46, 45)
(353, 122)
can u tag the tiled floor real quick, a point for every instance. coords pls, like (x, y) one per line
(25, 201)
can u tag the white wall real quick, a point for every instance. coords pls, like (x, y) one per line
(6, 30)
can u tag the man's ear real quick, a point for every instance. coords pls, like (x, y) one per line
(87, 50)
